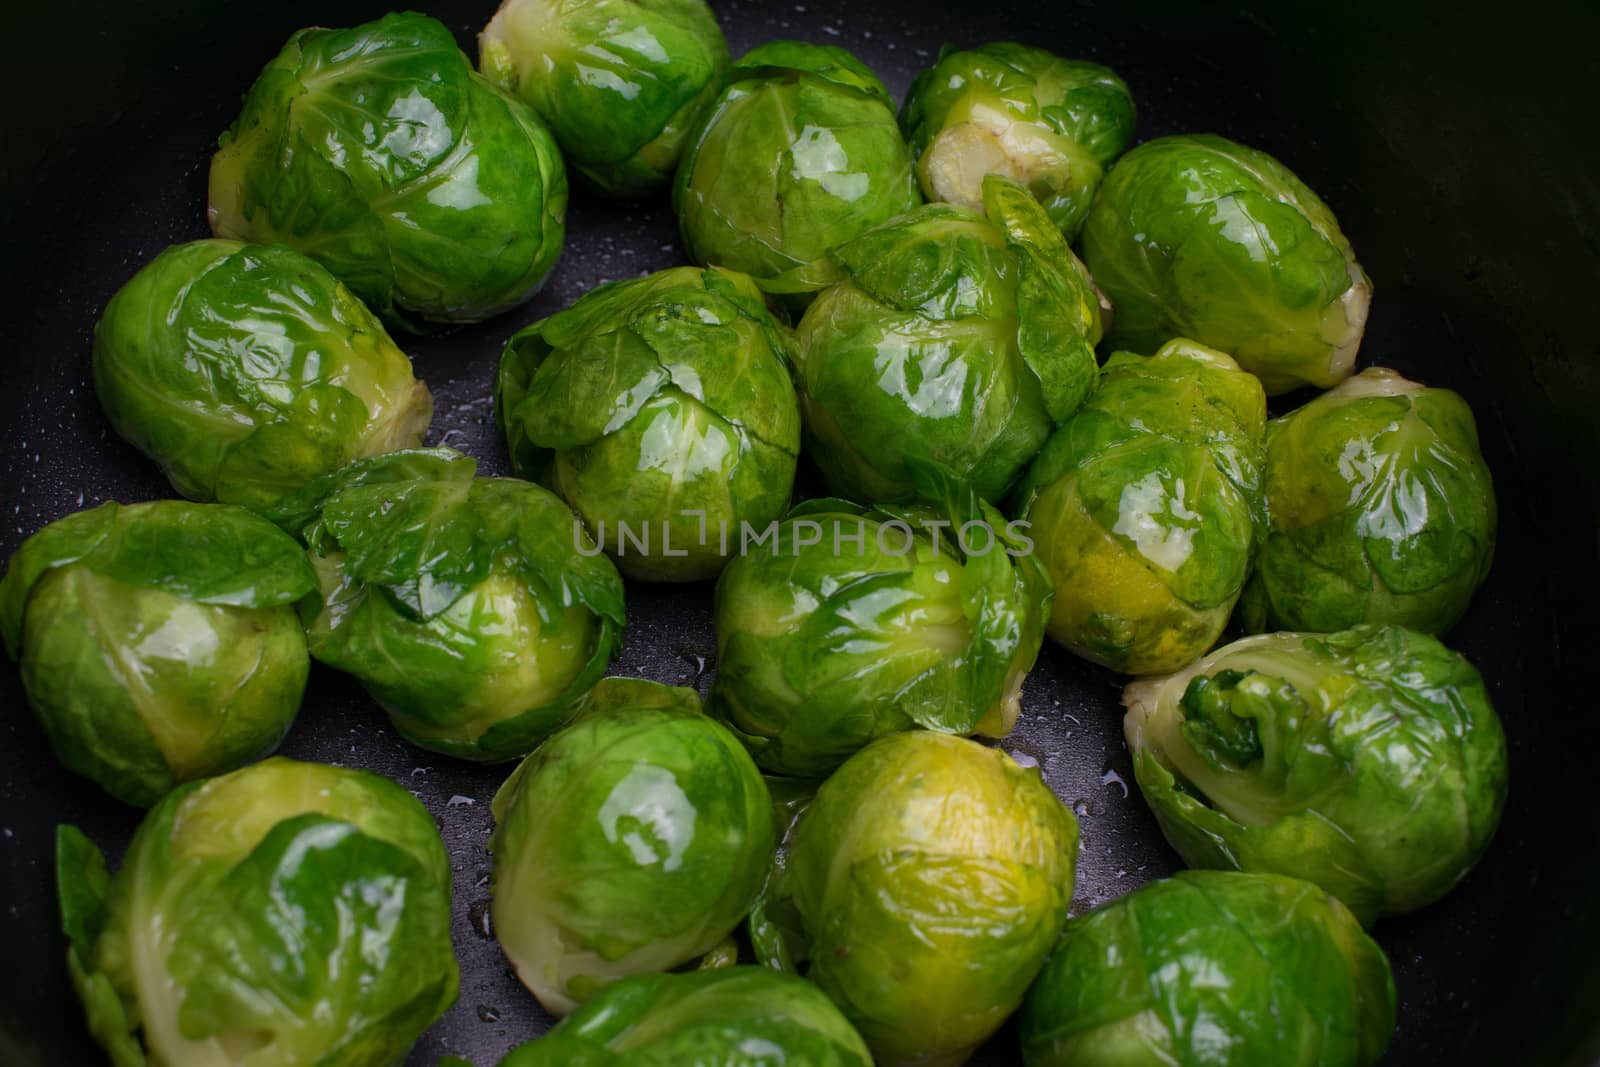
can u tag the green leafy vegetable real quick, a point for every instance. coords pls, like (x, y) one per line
(380, 152)
(158, 642)
(621, 83)
(1146, 507)
(285, 913)
(633, 841)
(661, 409)
(924, 887)
(475, 610)
(951, 339)
(733, 1017)
(247, 371)
(798, 153)
(1382, 510)
(1199, 237)
(1051, 124)
(1212, 967)
(1367, 761)
(850, 623)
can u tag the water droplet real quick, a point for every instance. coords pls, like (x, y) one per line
(488, 1014)
(482, 922)
(1024, 759)
(459, 801)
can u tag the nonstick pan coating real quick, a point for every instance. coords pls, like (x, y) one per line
(1458, 154)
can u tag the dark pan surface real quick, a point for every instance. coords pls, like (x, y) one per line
(1458, 155)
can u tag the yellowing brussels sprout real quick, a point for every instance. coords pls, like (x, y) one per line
(287, 913)
(925, 885)
(730, 1017)
(798, 153)
(158, 642)
(621, 83)
(632, 841)
(850, 623)
(1200, 237)
(379, 152)
(1145, 508)
(1051, 124)
(1212, 967)
(475, 610)
(1382, 510)
(246, 371)
(1367, 761)
(661, 409)
(953, 339)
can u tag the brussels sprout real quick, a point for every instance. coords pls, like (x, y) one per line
(379, 152)
(926, 884)
(1212, 967)
(734, 1017)
(1052, 124)
(157, 641)
(475, 610)
(850, 623)
(247, 371)
(621, 83)
(1368, 761)
(952, 338)
(1382, 510)
(287, 913)
(798, 153)
(632, 841)
(1197, 236)
(661, 409)
(1146, 505)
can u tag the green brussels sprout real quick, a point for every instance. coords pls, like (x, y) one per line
(1052, 124)
(798, 153)
(850, 623)
(1382, 510)
(1368, 761)
(661, 410)
(1212, 967)
(247, 371)
(287, 913)
(952, 338)
(158, 642)
(925, 884)
(475, 610)
(1197, 236)
(1146, 505)
(621, 83)
(379, 152)
(633, 841)
(733, 1017)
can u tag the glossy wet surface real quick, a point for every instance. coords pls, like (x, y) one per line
(1471, 292)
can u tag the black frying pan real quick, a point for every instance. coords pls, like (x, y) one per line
(1458, 154)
